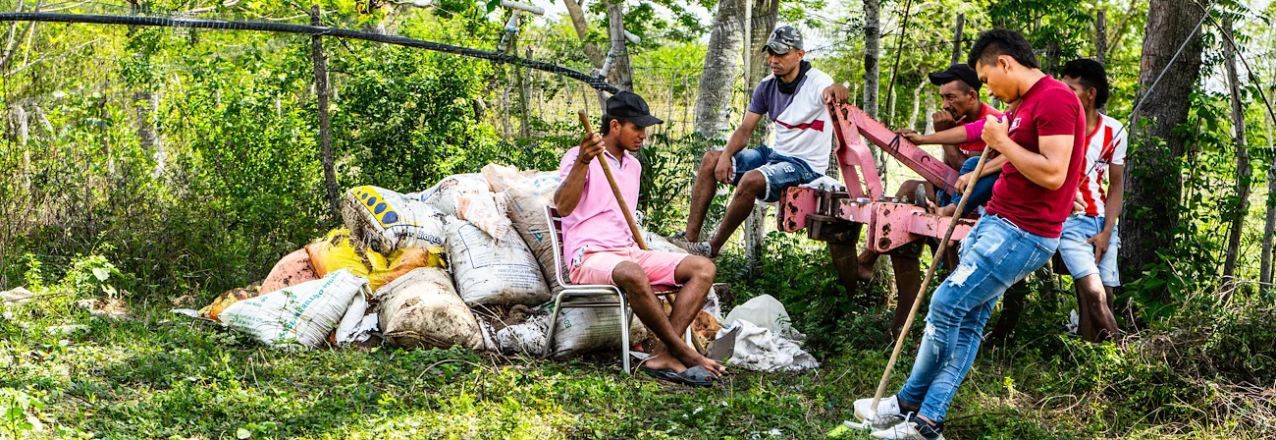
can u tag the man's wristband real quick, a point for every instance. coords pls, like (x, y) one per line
(583, 161)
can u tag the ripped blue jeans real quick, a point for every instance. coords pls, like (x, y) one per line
(995, 255)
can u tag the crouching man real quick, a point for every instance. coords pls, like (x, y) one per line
(600, 249)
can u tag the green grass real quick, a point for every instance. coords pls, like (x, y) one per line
(160, 376)
(164, 376)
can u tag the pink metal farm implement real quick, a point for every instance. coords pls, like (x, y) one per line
(837, 217)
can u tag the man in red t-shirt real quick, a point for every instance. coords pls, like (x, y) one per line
(1018, 233)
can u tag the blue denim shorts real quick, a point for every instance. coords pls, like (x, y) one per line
(779, 170)
(1079, 255)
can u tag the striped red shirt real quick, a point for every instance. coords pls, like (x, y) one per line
(1105, 145)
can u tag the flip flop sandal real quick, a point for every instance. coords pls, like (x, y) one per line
(666, 374)
(698, 376)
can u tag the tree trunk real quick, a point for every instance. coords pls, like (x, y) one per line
(720, 63)
(686, 103)
(1101, 35)
(928, 114)
(1152, 199)
(505, 105)
(524, 95)
(765, 13)
(1269, 229)
(1053, 54)
(147, 103)
(21, 125)
(13, 37)
(760, 18)
(618, 74)
(872, 51)
(917, 105)
(1243, 171)
(961, 23)
(577, 14)
(325, 129)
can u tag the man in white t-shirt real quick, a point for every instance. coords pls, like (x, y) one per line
(795, 97)
(1089, 242)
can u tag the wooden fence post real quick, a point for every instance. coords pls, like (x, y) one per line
(325, 124)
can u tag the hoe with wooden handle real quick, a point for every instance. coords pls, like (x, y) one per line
(930, 274)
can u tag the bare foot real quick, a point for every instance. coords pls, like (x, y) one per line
(947, 210)
(664, 360)
(695, 359)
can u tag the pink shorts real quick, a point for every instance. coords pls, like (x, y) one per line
(596, 266)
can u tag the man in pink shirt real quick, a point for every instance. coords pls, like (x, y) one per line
(600, 248)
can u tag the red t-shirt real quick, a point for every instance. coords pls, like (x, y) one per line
(977, 146)
(1049, 108)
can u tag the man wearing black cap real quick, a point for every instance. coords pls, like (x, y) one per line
(794, 97)
(959, 89)
(599, 248)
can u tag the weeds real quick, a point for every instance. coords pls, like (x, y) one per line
(163, 376)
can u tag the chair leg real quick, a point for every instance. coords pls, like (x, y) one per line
(553, 326)
(624, 333)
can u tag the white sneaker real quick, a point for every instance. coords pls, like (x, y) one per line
(888, 412)
(910, 429)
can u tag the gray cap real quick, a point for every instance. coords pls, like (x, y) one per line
(782, 39)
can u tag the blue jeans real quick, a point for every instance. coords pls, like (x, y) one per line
(978, 196)
(779, 170)
(995, 255)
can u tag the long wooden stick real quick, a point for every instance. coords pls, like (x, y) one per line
(930, 274)
(615, 189)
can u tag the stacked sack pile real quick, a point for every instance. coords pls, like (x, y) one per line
(468, 262)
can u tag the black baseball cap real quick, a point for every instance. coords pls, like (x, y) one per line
(957, 72)
(631, 107)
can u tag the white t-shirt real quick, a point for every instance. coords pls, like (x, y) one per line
(803, 129)
(1104, 146)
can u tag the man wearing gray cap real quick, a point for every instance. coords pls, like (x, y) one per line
(795, 98)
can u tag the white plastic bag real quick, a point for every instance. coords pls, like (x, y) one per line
(303, 314)
(421, 310)
(494, 271)
(469, 197)
(388, 221)
(759, 349)
(767, 312)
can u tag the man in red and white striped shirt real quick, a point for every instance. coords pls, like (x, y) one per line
(1089, 242)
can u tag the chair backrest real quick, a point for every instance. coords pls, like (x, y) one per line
(555, 222)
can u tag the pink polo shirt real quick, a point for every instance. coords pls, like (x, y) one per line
(597, 221)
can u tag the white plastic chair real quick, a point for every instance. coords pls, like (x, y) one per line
(594, 296)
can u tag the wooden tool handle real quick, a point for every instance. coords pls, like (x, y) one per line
(615, 189)
(930, 274)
